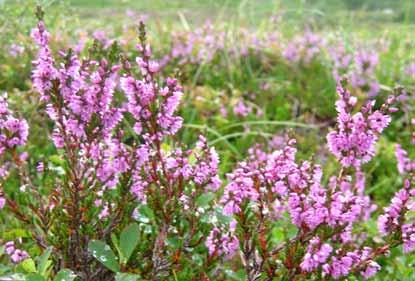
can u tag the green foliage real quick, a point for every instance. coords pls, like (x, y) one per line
(103, 253)
(129, 240)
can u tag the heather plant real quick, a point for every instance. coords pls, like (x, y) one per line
(111, 176)
(123, 191)
(314, 225)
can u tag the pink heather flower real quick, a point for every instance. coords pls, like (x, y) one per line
(205, 171)
(341, 61)
(222, 241)
(394, 217)
(405, 165)
(316, 255)
(363, 76)
(371, 269)
(9, 247)
(16, 50)
(40, 167)
(104, 212)
(390, 220)
(241, 109)
(366, 61)
(198, 46)
(305, 48)
(410, 70)
(341, 266)
(378, 121)
(2, 202)
(18, 256)
(13, 131)
(240, 188)
(353, 143)
(44, 71)
(408, 237)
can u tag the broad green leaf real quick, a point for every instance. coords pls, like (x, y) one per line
(103, 253)
(57, 160)
(16, 233)
(28, 265)
(114, 240)
(129, 240)
(14, 277)
(34, 277)
(65, 275)
(204, 199)
(43, 261)
(126, 277)
(145, 214)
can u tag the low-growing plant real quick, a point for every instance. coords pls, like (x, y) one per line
(124, 198)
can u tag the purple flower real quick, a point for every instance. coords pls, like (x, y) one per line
(222, 241)
(316, 255)
(371, 269)
(2, 202)
(353, 143)
(405, 165)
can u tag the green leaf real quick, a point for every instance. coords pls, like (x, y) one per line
(114, 240)
(28, 265)
(126, 277)
(34, 277)
(14, 277)
(103, 253)
(43, 261)
(147, 213)
(65, 275)
(57, 160)
(16, 233)
(204, 199)
(129, 240)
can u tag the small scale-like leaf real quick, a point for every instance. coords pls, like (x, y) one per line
(129, 240)
(103, 253)
(65, 275)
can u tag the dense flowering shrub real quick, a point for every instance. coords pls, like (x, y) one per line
(269, 188)
(115, 130)
(108, 172)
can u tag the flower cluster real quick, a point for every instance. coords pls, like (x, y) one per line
(16, 255)
(222, 241)
(363, 75)
(304, 48)
(269, 186)
(341, 61)
(316, 255)
(197, 46)
(89, 100)
(394, 215)
(116, 127)
(405, 164)
(13, 131)
(353, 142)
(343, 264)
